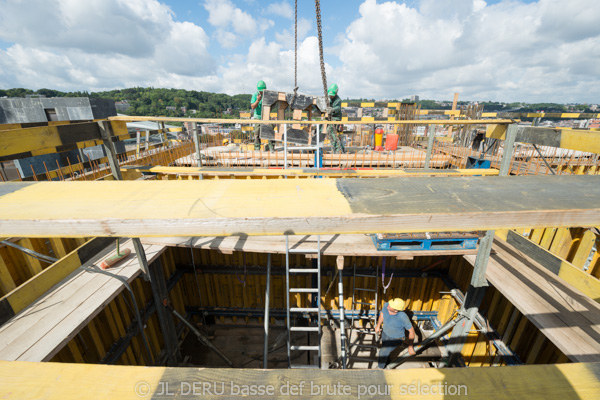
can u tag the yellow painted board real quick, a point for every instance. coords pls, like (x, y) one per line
(496, 131)
(274, 207)
(24, 140)
(6, 281)
(54, 381)
(581, 140)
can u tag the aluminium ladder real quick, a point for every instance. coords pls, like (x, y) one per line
(363, 313)
(313, 312)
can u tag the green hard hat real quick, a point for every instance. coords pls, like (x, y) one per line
(261, 85)
(333, 88)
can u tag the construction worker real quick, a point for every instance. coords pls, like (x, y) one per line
(225, 142)
(335, 112)
(395, 324)
(256, 105)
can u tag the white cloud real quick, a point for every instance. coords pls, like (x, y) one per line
(233, 26)
(282, 9)
(509, 51)
(101, 44)
(97, 26)
(286, 36)
(224, 14)
(269, 62)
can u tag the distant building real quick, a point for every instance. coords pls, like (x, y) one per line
(171, 108)
(183, 109)
(15, 110)
(122, 106)
(414, 98)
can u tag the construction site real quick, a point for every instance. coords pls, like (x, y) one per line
(179, 262)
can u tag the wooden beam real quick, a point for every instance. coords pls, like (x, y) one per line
(36, 286)
(53, 381)
(267, 122)
(307, 172)
(306, 206)
(587, 284)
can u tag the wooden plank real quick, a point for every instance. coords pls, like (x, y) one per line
(53, 381)
(587, 284)
(34, 266)
(306, 172)
(36, 286)
(38, 332)
(6, 281)
(262, 122)
(564, 315)
(211, 207)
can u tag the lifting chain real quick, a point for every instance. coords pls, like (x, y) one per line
(295, 54)
(323, 76)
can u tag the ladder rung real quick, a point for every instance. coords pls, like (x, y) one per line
(364, 331)
(365, 289)
(363, 317)
(362, 358)
(304, 328)
(364, 304)
(300, 251)
(300, 366)
(304, 270)
(369, 346)
(366, 276)
(304, 348)
(301, 309)
(304, 290)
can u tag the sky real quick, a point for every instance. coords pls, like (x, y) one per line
(502, 50)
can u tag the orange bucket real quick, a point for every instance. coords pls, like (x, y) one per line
(391, 141)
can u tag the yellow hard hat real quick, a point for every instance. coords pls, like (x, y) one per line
(225, 141)
(397, 304)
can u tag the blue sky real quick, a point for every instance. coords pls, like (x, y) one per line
(501, 50)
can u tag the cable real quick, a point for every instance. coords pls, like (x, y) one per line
(137, 309)
(31, 253)
(197, 285)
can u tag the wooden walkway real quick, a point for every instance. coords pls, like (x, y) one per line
(567, 317)
(39, 331)
(60, 381)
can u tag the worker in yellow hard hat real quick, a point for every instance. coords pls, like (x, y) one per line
(395, 325)
(225, 142)
(256, 106)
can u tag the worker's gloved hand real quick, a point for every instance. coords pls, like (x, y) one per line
(329, 110)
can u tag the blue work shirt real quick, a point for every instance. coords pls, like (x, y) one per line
(394, 326)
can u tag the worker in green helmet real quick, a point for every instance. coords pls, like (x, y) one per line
(256, 105)
(335, 112)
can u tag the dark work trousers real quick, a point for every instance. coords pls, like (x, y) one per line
(388, 345)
